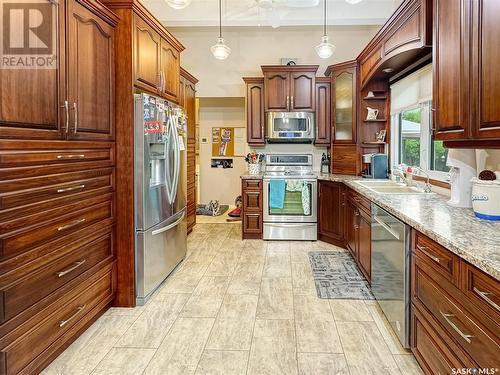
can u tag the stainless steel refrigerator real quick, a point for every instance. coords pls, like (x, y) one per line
(160, 191)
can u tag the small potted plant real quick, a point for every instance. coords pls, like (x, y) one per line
(254, 160)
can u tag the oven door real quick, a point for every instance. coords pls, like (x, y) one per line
(297, 208)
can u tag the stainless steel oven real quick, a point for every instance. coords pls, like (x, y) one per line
(290, 127)
(296, 217)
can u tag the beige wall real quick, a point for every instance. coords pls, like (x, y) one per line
(253, 47)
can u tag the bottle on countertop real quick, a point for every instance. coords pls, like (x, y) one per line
(325, 164)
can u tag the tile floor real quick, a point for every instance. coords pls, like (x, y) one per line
(239, 307)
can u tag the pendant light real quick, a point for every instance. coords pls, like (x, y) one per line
(353, 1)
(325, 49)
(178, 4)
(220, 50)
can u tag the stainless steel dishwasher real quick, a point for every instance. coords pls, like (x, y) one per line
(390, 276)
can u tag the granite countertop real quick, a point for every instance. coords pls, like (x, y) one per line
(457, 229)
(248, 176)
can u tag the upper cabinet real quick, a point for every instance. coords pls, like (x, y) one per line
(74, 99)
(156, 56)
(466, 75)
(344, 100)
(403, 39)
(289, 88)
(323, 113)
(255, 110)
(91, 75)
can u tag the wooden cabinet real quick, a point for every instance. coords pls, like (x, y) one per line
(451, 65)
(91, 75)
(255, 111)
(485, 82)
(351, 228)
(289, 88)
(147, 47)
(156, 59)
(187, 99)
(466, 77)
(364, 243)
(331, 212)
(252, 211)
(455, 312)
(169, 70)
(323, 113)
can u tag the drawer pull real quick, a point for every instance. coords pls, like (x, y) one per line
(74, 267)
(484, 295)
(77, 156)
(62, 323)
(63, 190)
(424, 250)
(76, 222)
(455, 328)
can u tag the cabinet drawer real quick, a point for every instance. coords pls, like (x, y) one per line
(432, 353)
(20, 158)
(252, 201)
(16, 355)
(458, 323)
(18, 239)
(40, 282)
(445, 262)
(482, 290)
(360, 201)
(252, 223)
(251, 184)
(22, 192)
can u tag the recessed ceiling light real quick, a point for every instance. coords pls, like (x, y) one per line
(178, 4)
(353, 1)
(388, 70)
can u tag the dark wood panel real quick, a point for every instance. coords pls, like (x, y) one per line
(91, 75)
(252, 201)
(252, 223)
(364, 244)
(252, 218)
(255, 111)
(277, 93)
(451, 69)
(147, 44)
(252, 184)
(302, 91)
(331, 212)
(170, 70)
(323, 112)
(345, 159)
(352, 228)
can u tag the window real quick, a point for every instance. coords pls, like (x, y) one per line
(411, 123)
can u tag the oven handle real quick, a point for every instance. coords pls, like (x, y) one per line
(386, 227)
(280, 225)
(291, 178)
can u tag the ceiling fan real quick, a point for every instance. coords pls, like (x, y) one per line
(271, 8)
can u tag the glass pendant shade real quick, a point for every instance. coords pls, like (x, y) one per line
(325, 49)
(220, 50)
(178, 4)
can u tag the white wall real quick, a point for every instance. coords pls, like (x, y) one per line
(253, 47)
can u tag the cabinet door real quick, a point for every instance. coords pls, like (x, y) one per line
(190, 108)
(331, 210)
(364, 244)
(255, 113)
(32, 100)
(277, 92)
(147, 45)
(351, 229)
(170, 70)
(302, 91)
(486, 74)
(344, 105)
(323, 113)
(451, 69)
(90, 75)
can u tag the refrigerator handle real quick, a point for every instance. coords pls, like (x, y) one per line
(177, 159)
(170, 226)
(168, 180)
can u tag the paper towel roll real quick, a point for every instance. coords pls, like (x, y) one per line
(481, 158)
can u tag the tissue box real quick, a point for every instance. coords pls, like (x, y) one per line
(486, 199)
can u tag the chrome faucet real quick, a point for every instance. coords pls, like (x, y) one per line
(407, 181)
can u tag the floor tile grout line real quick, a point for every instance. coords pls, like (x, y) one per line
(294, 318)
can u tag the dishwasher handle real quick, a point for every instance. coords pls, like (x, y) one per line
(386, 227)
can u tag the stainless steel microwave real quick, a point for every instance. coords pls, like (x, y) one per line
(290, 127)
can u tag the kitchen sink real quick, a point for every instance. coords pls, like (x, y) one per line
(389, 187)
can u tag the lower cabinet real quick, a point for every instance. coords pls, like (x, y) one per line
(331, 212)
(455, 321)
(251, 215)
(345, 220)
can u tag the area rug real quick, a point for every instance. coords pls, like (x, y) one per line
(337, 277)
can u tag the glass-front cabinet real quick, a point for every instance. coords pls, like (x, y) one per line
(344, 102)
